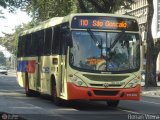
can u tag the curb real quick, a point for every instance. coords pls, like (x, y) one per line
(151, 93)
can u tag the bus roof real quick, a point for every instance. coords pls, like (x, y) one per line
(45, 24)
(58, 20)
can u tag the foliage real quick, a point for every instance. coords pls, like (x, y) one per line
(12, 4)
(41, 10)
(103, 6)
(2, 59)
(10, 40)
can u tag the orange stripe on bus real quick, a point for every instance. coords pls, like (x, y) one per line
(31, 66)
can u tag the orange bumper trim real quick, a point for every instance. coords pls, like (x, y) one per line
(86, 93)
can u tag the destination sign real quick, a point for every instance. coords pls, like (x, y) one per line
(108, 23)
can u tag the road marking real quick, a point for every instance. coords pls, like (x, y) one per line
(129, 111)
(66, 109)
(27, 107)
(150, 102)
(10, 94)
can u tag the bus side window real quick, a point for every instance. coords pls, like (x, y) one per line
(28, 45)
(34, 44)
(40, 37)
(64, 37)
(48, 41)
(56, 40)
(37, 45)
(23, 46)
(19, 49)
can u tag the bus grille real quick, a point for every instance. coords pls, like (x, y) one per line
(105, 78)
(102, 85)
(107, 93)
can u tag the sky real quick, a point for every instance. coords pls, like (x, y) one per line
(9, 23)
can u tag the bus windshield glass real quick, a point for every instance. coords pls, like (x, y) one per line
(115, 51)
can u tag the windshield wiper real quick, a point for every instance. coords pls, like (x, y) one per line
(94, 38)
(109, 54)
(120, 36)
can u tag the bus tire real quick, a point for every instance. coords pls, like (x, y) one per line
(29, 92)
(55, 98)
(112, 103)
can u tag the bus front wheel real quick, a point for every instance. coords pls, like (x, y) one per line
(112, 103)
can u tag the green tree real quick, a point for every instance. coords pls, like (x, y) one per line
(10, 40)
(11, 4)
(103, 6)
(41, 10)
(153, 48)
(2, 59)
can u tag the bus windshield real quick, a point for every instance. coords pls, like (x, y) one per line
(115, 52)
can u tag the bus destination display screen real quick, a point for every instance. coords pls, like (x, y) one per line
(106, 23)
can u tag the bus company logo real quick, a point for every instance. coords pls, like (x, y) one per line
(106, 85)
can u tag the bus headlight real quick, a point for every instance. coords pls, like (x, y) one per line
(77, 81)
(132, 83)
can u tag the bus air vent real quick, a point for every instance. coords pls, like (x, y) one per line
(101, 85)
(105, 78)
(106, 93)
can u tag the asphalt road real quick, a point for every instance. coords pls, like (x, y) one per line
(14, 102)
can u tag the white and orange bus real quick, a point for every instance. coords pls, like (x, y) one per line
(82, 56)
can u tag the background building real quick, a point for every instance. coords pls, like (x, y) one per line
(140, 10)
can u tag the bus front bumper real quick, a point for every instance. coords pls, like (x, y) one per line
(87, 93)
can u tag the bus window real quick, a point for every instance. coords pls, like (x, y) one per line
(40, 37)
(34, 44)
(63, 43)
(28, 45)
(48, 40)
(65, 38)
(56, 40)
(19, 49)
(23, 46)
(37, 45)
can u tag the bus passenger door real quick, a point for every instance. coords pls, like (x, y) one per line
(59, 47)
(39, 42)
(63, 46)
(38, 78)
(63, 63)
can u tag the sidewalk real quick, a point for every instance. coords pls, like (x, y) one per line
(150, 91)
